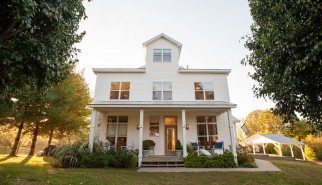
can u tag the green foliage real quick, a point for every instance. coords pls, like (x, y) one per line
(309, 154)
(225, 160)
(190, 149)
(285, 52)
(315, 143)
(246, 160)
(78, 155)
(147, 144)
(178, 145)
(37, 42)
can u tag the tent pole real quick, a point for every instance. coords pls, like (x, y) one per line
(280, 149)
(291, 147)
(254, 149)
(301, 147)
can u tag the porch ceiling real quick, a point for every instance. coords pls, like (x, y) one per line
(162, 104)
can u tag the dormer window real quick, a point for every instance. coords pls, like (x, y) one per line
(161, 55)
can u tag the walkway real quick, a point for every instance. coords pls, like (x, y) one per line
(263, 166)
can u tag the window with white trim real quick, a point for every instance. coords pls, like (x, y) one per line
(162, 91)
(204, 91)
(161, 55)
(154, 126)
(206, 129)
(116, 133)
(120, 91)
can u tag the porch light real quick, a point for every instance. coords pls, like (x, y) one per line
(187, 126)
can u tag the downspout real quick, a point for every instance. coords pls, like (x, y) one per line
(231, 139)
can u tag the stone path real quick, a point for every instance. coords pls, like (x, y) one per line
(263, 166)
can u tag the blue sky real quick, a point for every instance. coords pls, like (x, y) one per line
(210, 31)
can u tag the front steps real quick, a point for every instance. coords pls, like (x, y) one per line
(162, 161)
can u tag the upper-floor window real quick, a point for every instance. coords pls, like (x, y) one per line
(120, 90)
(162, 91)
(162, 55)
(204, 91)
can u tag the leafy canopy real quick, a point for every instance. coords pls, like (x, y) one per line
(286, 54)
(36, 42)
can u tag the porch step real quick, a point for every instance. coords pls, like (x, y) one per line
(163, 164)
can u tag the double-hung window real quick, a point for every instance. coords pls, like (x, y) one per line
(154, 126)
(162, 55)
(206, 129)
(116, 133)
(204, 91)
(120, 91)
(162, 91)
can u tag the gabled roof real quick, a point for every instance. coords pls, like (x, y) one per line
(272, 138)
(162, 35)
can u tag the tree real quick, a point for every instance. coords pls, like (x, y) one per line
(37, 42)
(68, 114)
(264, 122)
(286, 53)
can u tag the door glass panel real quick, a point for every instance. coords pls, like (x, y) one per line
(170, 139)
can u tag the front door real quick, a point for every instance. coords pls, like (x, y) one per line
(170, 134)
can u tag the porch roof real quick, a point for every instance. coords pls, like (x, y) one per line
(163, 104)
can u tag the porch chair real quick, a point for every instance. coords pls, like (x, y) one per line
(199, 149)
(218, 147)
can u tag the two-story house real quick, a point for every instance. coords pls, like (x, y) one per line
(163, 102)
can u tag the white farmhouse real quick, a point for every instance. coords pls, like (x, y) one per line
(163, 102)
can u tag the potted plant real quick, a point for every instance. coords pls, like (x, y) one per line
(145, 149)
(178, 148)
(147, 145)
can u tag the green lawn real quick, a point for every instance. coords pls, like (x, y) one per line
(36, 170)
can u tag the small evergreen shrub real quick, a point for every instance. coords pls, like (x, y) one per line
(246, 160)
(226, 160)
(178, 145)
(190, 149)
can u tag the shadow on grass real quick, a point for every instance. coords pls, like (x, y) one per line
(25, 160)
(4, 159)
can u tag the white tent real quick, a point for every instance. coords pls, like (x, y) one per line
(276, 139)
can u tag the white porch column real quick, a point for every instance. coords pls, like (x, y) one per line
(264, 146)
(184, 133)
(291, 147)
(140, 137)
(301, 147)
(232, 135)
(280, 150)
(253, 146)
(92, 129)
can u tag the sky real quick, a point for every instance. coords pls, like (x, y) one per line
(211, 32)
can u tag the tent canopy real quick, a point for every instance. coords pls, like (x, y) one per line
(272, 138)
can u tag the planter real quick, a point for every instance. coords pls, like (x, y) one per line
(178, 153)
(146, 153)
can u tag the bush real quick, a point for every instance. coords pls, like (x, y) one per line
(315, 143)
(78, 155)
(147, 144)
(309, 154)
(178, 145)
(246, 160)
(226, 160)
(190, 149)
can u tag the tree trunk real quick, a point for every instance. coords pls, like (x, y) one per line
(17, 139)
(50, 137)
(34, 140)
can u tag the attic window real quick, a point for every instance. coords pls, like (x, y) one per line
(162, 55)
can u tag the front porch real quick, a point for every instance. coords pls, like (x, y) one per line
(129, 127)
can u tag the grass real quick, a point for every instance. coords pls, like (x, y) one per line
(36, 170)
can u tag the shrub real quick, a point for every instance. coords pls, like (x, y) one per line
(246, 160)
(178, 145)
(226, 160)
(309, 154)
(78, 155)
(190, 149)
(315, 143)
